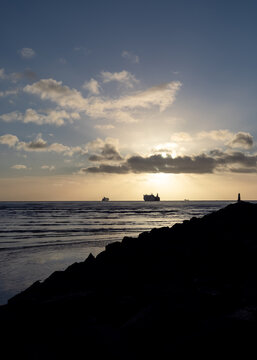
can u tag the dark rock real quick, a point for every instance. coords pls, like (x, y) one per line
(189, 290)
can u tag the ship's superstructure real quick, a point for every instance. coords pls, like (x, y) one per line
(151, 197)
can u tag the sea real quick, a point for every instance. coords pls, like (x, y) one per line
(38, 238)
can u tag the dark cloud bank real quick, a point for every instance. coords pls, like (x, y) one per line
(216, 160)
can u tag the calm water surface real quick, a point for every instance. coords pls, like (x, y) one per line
(37, 238)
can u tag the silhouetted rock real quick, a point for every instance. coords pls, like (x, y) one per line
(186, 290)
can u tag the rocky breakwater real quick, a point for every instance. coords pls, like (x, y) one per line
(172, 292)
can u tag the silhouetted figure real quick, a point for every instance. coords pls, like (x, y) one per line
(239, 198)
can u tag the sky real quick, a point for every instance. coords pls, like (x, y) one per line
(125, 98)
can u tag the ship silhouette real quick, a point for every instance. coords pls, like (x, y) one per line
(151, 197)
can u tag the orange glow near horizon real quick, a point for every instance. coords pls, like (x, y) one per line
(129, 187)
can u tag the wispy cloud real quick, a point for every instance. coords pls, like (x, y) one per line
(129, 55)
(120, 109)
(9, 92)
(82, 49)
(19, 167)
(48, 167)
(240, 139)
(27, 53)
(52, 117)
(14, 77)
(62, 61)
(26, 74)
(2, 73)
(104, 126)
(217, 135)
(181, 137)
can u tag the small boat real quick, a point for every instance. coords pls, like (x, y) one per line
(186, 200)
(105, 199)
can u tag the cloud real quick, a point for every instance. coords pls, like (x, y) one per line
(9, 92)
(82, 49)
(12, 116)
(52, 117)
(47, 167)
(37, 144)
(129, 55)
(120, 109)
(98, 144)
(217, 135)
(162, 95)
(50, 89)
(165, 148)
(104, 127)
(109, 152)
(19, 167)
(243, 170)
(9, 139)
(235, 140)
(123, 77)
(92, 86)
(158, 164)
(62, 61)
(104, 150)
(241, 140)
(181, 137)
(2, 74)
(26, 74)
(107, 169)
(16, 76)
(215, 161)
(228, 158)
(122, 117)
(27, 53)
(40, 145)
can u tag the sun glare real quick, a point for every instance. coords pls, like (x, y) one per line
(159, 179)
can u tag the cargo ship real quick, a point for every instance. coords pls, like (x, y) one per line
(105, 199)
(151, 197)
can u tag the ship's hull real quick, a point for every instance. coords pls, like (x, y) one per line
(151, 198)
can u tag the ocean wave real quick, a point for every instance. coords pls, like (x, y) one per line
(91, 243)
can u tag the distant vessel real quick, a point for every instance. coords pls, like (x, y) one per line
(105, 199)
(186, 200)
(151, 197)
